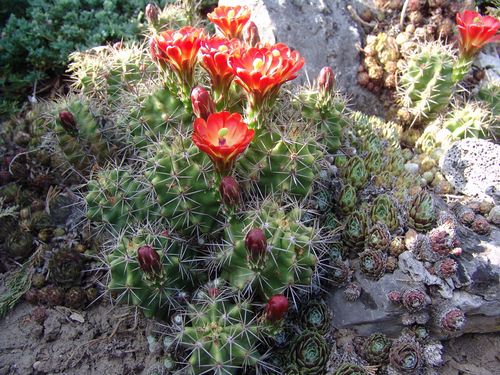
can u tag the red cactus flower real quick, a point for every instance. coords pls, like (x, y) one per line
(230, 20)
(255, 242)
(149, 260)
(177, 49)
(263, 69)
(202, 102)
(222, 137)
(476, 31)
(230, 191)
(214, 55)
(276, 308)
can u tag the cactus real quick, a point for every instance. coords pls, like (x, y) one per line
(79, 136)
(183, 179)
(65, 267)
(350, 369)
(310, 353)
(422, 215)
(154, 284)
(220, 334)
(289, 261)
(384, 211)
(160, 113)
(117, 198)
(376, 349)
(426, 82)
(316, 315)
(280, 165)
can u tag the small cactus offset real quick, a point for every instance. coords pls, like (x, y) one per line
(219, 333)
(426, 83)
(151, 271)
(270, 251)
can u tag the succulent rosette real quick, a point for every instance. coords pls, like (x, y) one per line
(316, 315)
(338, 272)
(348, 199)
(355, 172)
(177, 50)
(452, 320)
(379, 237)
(415, 300)
(422, 213)
(355, 231)
(352, 291)
(262, 70)
(373, 263)
(214, 58)
(376, 349)
(350, 369)
(406, 355)
(65, 267)
(223, 137)
(310, 353)
(384, 211)
(230, 20)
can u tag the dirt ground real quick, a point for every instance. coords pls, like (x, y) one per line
(110, 340)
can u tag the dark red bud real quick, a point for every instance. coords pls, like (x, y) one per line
(149, 260)
(68, 121)
(256, 242)
(251, 34)
(213, 292)
(276, 308)
(326, 80)
(229, 191)
(203, 104)
(152, 13)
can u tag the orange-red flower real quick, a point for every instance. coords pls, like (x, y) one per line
(262, 70)
(230, 20)
(476, 31)
(214, 55)
(223, 136)
(178, 50)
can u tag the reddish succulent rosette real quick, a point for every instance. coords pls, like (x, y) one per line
(263, 69)
(230, 20)
(476, 31)
(223, 136)
(453, 320)
(214, 58)
(178, 49)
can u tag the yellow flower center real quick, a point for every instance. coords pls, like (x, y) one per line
(222, 133)
(231, 13)
(223, 48)
(276, 53)
(177, 36)
(257, 63)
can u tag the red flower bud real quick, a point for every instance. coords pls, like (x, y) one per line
(326, 80)
(149, 260)
(256, 242)
(276, 308)
(203, 104)
(152, 13)
(68, 121)
(229, 191)
(251, 34)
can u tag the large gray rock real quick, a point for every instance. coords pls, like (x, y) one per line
(323, 32)
(473, 167)
(475, 290)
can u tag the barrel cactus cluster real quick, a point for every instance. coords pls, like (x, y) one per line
(227, 207)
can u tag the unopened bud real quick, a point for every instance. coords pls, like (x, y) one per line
(203, 104)
(276, 308)
(152, 13)
(229, 191)
(68, 121)
(326, 80)
(256, 243)
(251, 34)
(149, 260)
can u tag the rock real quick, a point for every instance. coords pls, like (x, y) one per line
(473, 167)
(323, 32)
(494, 215)
(475, 290)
